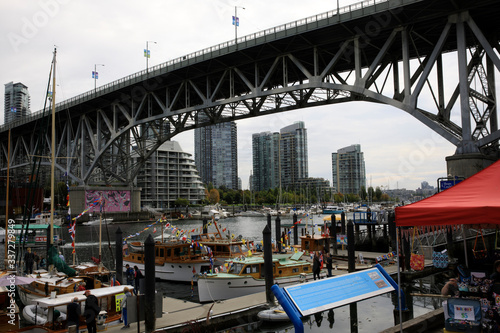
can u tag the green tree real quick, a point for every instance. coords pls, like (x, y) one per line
(181, 202)
(378, 194)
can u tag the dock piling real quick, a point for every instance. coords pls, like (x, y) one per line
(119, 255)
(268, 263)
(150, 288)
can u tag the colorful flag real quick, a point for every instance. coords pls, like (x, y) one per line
(236, 21)
(95, 75)
(147, 53)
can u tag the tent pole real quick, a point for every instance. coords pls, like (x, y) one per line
(465, 247)
(399, 282)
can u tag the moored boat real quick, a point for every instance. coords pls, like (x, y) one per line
(94, 276)
(180, 259)
(245, 276)
(107, 298)
(333, 210)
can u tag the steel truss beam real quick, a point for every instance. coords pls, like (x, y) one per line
(110, 142)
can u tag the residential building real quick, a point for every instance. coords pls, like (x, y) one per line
(216, 154)
(169, 174)
(280, 159)
(348, 170)
(16, 102)
(293, 154)
(265, 161)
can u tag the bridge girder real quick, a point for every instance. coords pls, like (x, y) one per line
(396, 64)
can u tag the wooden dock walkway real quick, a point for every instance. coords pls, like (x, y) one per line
(179, 314)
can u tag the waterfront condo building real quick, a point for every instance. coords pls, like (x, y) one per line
(16, 102)
(169, 174)
(348, 170)
(216, 154)
(280, 159)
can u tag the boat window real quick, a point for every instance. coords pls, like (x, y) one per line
(156, 251)
(162, 252)
(295, 270)
(169, 252)
(236, 268)
(177, 251)
(305, 268)
(306, 245)
(244, 248)
(235, 249)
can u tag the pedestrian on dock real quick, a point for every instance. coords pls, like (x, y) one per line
(451, 288)
(138, 277)
(130, 274)
(128, 294)
(73, 313)
(29, 259)
(329, 263)
(91, 311)
(316, 265)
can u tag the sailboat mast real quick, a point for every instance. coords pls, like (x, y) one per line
(53, 149)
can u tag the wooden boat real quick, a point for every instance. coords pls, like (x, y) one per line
(108, 298)
(175, 260)
(94, 276)
(180, 260)
(246, 276)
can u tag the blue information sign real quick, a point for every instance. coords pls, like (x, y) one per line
(325, 294)
(445, 184)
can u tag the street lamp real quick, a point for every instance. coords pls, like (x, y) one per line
(147, 54)
(95, 76)
(236, 23)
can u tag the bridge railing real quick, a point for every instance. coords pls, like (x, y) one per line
(248, 39)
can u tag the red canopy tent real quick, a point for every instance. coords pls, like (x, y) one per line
(475, 200)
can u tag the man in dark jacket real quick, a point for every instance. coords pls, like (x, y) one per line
(73, 313)
(92, 309)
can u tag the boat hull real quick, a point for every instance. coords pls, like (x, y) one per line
(175, 271)
(220, 288)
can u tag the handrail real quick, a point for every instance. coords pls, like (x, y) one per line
(225, 45)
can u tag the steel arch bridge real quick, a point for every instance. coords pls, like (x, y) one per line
(381, 51)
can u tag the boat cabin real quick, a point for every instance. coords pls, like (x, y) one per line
(312, 243)
(283, 266)
(108, 300)
(170, 251)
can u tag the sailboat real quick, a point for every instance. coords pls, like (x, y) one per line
(60, 278)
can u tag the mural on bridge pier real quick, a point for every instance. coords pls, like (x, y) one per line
(114, 201)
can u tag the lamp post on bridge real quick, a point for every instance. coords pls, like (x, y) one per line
(95, 76)
(236, 23)
(147, 54)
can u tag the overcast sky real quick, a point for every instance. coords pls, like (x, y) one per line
(400, 152)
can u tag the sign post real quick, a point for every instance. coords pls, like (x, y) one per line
(308, 298)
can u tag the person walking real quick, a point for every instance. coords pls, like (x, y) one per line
(138, 277)
(329, 262)
(73, 313)
(316, 266)
(91, 311)
(124, 307)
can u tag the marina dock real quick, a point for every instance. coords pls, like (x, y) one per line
(179, 314)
